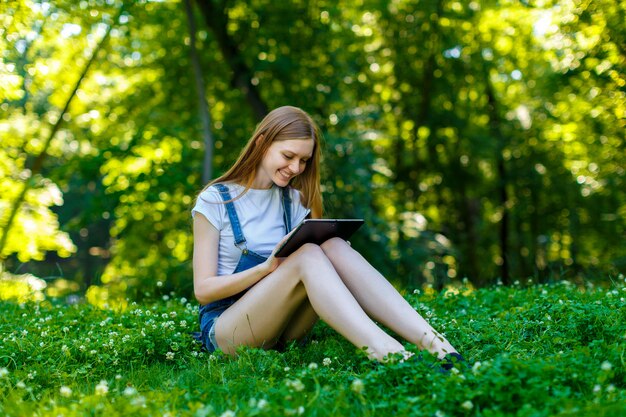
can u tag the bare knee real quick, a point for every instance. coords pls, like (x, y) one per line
(333, 245)
(309, 258)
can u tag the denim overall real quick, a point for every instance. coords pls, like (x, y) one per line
(211, 311)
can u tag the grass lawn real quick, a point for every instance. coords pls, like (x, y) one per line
(536, 350)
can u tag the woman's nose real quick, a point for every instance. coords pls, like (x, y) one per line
(294, 167)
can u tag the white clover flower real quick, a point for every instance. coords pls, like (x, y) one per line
(24, 332)
(169, 356)
(301, 410)
(65, 391)
(476, 366)
(3, 372)
(312, 366)
(286, 369)
(298, 385)
(597, 388)
(139, 401)
(326, 362)
(118, 377)
(295, 384)
(467, 405)
(262, 404)
(606, 366)
(21, 385)
(173, 314)
(183, 323)
(357, 386)
(228, 413)
(130, 391)
(102, 388)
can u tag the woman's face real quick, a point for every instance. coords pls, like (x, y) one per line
(283, 160)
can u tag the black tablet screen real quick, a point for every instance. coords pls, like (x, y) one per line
(318, 231)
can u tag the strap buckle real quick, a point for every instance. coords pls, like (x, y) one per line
(242, 247)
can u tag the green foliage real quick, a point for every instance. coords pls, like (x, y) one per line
(540, 350)
(35, 229)
(478, 139)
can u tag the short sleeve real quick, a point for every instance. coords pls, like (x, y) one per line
(299, 212)
(210, 204)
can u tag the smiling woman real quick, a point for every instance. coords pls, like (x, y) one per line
(249, 296)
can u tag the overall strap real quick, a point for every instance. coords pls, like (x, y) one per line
(240, 241)
(287, 209)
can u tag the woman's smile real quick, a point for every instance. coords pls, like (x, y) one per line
(287, 175)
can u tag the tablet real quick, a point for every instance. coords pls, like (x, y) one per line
(318, 231)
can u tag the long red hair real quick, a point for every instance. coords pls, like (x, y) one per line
(282, 123)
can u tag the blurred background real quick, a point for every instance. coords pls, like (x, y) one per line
(482, 141)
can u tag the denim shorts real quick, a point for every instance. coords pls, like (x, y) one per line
(210, 342)
(208, 318)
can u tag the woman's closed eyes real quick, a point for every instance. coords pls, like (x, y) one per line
(290, 157)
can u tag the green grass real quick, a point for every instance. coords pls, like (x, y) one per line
(532, 351)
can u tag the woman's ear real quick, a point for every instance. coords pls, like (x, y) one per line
(258, 140)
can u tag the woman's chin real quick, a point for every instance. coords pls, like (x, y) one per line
(281, 181)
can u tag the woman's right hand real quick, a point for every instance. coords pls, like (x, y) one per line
(272, 262)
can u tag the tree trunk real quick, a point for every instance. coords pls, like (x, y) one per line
(203, 108)
(217, 20)
(494, 126)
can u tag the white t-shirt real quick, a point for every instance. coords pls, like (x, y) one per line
(260, 215)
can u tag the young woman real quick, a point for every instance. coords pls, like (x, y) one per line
(250, 297)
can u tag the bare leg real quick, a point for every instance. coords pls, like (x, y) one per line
(264, 312)
(301, 323)
(381, 300)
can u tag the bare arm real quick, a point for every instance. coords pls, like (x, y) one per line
(207, 285)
